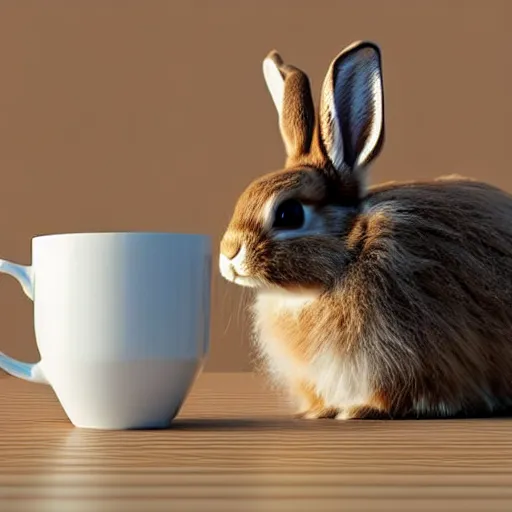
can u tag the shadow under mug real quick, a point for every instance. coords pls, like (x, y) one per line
(121, 323)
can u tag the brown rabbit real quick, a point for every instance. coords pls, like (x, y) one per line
(390, 301)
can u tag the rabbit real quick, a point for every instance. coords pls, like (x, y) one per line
(370, 302)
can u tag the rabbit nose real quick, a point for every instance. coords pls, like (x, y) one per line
(230, 247)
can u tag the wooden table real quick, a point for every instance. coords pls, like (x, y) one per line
(233, 448)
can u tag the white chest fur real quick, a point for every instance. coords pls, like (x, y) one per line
(270, 309)
(283, 302)
(339, 380)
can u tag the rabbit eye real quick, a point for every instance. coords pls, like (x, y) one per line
(289, 215)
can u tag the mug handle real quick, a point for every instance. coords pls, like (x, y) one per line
(26, 371)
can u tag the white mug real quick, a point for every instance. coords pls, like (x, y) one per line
(121, 323)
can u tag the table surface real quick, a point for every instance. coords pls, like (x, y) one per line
(234, 447)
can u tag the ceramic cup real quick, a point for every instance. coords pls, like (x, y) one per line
(121, 323)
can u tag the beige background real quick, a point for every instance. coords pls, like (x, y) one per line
(154, 115)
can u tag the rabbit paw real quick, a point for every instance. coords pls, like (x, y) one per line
(361, 412)
(312, 405)
(317, 413)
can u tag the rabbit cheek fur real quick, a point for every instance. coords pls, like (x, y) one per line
(388, 302)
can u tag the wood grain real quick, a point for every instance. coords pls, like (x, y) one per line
(234, 447)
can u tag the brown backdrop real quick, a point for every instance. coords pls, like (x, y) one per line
(152, 115)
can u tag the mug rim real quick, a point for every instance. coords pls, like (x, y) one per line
(175, 234)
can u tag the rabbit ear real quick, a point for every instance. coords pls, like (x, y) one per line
(352, 108)
(291, 93)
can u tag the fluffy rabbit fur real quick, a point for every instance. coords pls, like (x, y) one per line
(383, 302)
